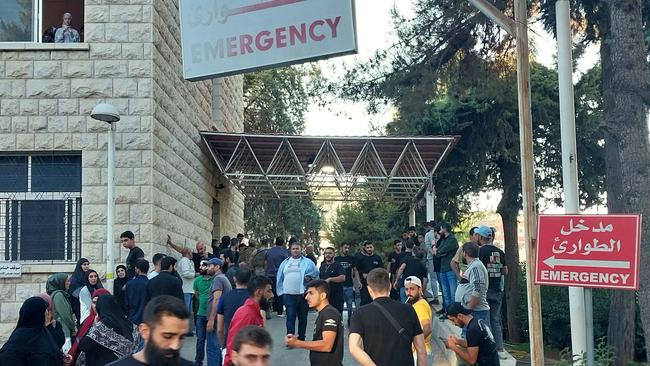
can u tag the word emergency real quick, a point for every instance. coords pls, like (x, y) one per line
(265, 40)
(585, 277)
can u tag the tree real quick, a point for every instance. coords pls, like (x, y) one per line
(275, 101)
(21, 29)
(619, 28)
(377, 221)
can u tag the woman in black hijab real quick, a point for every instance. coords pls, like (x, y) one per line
(31, 343)
(118, 286)
(77, 281)
(112, 336)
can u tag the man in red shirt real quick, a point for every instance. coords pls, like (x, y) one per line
(260, 295)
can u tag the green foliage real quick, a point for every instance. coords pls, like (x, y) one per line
(289, 217)
(377, 221)
(603, 355)
(275, 101)
(556, 321)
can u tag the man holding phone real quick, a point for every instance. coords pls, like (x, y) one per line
(478, 347)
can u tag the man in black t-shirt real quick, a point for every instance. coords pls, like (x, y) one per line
(478, 347)
(494, 260)
(387, 329)
(326, 348)
(128, 241)
(164, 324)
(347, 261)
(364, 262)
(392, 264)
(333, 273)
(410, 266)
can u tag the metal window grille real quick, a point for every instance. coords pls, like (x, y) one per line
(38, 223)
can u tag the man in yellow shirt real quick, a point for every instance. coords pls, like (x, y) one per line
(413, 289)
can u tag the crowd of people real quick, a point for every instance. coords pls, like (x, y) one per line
(229, 293)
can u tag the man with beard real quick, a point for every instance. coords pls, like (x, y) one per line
(220, 287)
(365, 261)
(198, 256)
(326, 349)
(201, 286)
(164, 325)
(347, 261)
(260, 293)
(413, 287)
(333, 273)
(410, 266)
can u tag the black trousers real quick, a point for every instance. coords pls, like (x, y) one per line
(365, 295)
(277, 300)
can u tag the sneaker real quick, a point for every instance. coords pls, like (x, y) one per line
(435, 302)
(440, 312)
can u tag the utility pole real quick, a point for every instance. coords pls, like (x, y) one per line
(580, 307)
(519, 30)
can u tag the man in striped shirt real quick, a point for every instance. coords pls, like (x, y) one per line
(472, 288)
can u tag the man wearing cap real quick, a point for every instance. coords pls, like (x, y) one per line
(472, 288)
(478, 347)
(429, 242)
(494, 260)
(413, 287)
(447, 247)
(220, 286)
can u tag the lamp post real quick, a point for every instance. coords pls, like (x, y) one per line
(107, 113)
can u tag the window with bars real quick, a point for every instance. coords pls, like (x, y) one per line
(40, 207)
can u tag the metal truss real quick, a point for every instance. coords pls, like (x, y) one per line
(328, 168)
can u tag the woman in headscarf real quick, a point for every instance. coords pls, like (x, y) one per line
(85, 299)
(118, 286)
(90, 320)
(57, 286)
(30, 343)
(77, 282)
(112, 336)
(55, 328)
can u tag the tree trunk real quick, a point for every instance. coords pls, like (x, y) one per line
(625, 83)
(508, 208)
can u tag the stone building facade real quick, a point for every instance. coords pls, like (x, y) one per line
(165, 179)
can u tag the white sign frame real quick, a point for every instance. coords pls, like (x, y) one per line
(11, 270)
(262, 34)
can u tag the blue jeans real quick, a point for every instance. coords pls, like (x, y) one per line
(433, 279)
(494, 299)
(448, 282)
(348, 299)
(188, 301)
(201, 322)
(212, 347)
(296, 306)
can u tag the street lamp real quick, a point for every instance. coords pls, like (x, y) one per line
(108, 113)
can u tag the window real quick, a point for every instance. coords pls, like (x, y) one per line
(40, 207)
(40, 20)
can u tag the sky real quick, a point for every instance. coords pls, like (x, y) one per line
(374, 31)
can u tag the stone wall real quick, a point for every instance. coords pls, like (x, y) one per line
(165, 178)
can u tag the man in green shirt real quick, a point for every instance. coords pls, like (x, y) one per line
(202, 285)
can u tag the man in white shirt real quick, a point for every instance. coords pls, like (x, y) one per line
(185, 268)
(157, 258)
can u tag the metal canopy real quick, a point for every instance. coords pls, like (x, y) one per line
(328, 168)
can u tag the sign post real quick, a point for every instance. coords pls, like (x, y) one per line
(224, 37)
(599, 251)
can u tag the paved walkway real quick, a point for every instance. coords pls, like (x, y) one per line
(298, 357)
